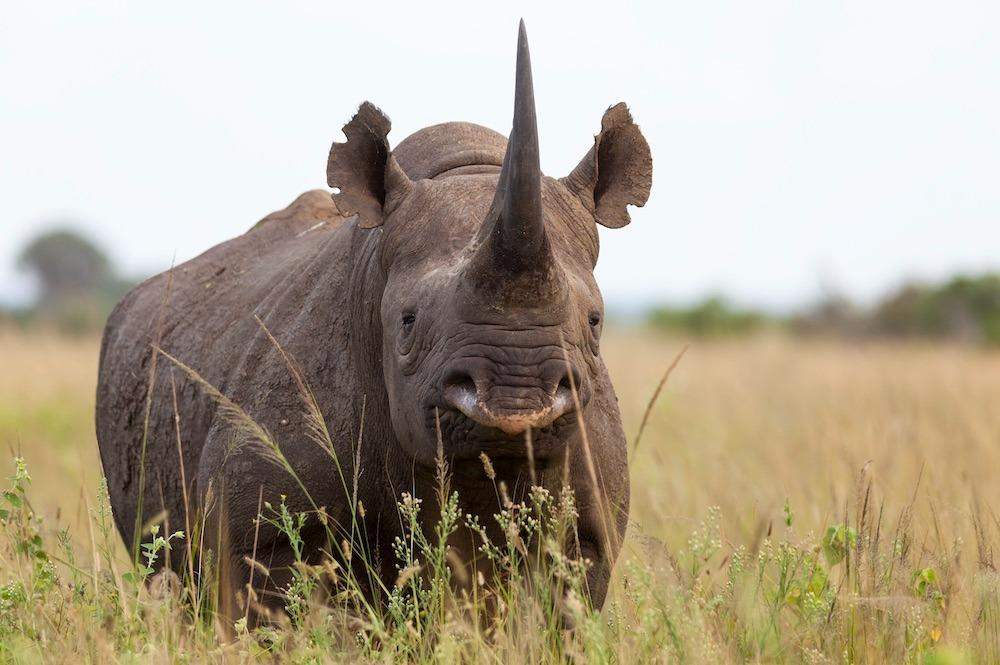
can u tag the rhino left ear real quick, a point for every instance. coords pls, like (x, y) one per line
(616, 172)
(369, 180)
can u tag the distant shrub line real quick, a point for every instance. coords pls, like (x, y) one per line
(964, 308)
(79, 285)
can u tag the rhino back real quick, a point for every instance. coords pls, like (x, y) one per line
(202, 313)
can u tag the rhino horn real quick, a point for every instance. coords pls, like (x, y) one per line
(513, 234)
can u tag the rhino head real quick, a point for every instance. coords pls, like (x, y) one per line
(491, 318)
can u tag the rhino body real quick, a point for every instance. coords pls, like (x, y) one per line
(445, 284)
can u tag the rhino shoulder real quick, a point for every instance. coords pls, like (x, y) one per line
(311, 211)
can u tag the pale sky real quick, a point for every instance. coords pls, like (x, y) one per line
(796, 145)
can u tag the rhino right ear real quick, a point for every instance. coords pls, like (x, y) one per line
(366, 179)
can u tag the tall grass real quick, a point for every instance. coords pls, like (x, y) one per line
(792, 502)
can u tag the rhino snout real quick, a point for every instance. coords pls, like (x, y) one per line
(512, 405)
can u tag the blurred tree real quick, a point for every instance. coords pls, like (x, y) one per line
(79, 284)
(66, 264)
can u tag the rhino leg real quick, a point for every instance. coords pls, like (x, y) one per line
(245, 489)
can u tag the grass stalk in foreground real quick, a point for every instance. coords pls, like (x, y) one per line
(868, 589)
(873, 567)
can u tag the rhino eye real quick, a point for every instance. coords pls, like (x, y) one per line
(595, 319)
(409, 318)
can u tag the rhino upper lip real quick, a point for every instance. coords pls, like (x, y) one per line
(460, 397)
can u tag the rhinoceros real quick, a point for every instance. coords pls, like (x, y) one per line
(440, 303)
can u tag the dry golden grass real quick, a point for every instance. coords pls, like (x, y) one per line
(47, 415)
(748, 424)
(835, 433)
(745, 424)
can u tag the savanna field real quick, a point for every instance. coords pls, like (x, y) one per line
(793, 500)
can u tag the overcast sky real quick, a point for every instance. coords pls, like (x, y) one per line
(797, 146)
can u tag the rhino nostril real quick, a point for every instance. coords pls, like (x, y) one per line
(570, 381)
(458, 378)
(460, 391)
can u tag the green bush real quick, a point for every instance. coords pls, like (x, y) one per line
(965, 307)
(711, 317)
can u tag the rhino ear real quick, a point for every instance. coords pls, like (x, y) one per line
(616, 172)
(367, 180)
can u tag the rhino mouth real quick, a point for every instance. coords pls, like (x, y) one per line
(463, 438)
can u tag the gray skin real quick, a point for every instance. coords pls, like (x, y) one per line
(447, 282)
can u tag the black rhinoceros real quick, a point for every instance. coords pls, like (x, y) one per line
(445, 286)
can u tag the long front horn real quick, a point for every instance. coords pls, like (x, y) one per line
(515, 224)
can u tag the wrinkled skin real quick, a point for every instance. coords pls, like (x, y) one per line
(514, 352)
(399, 305)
